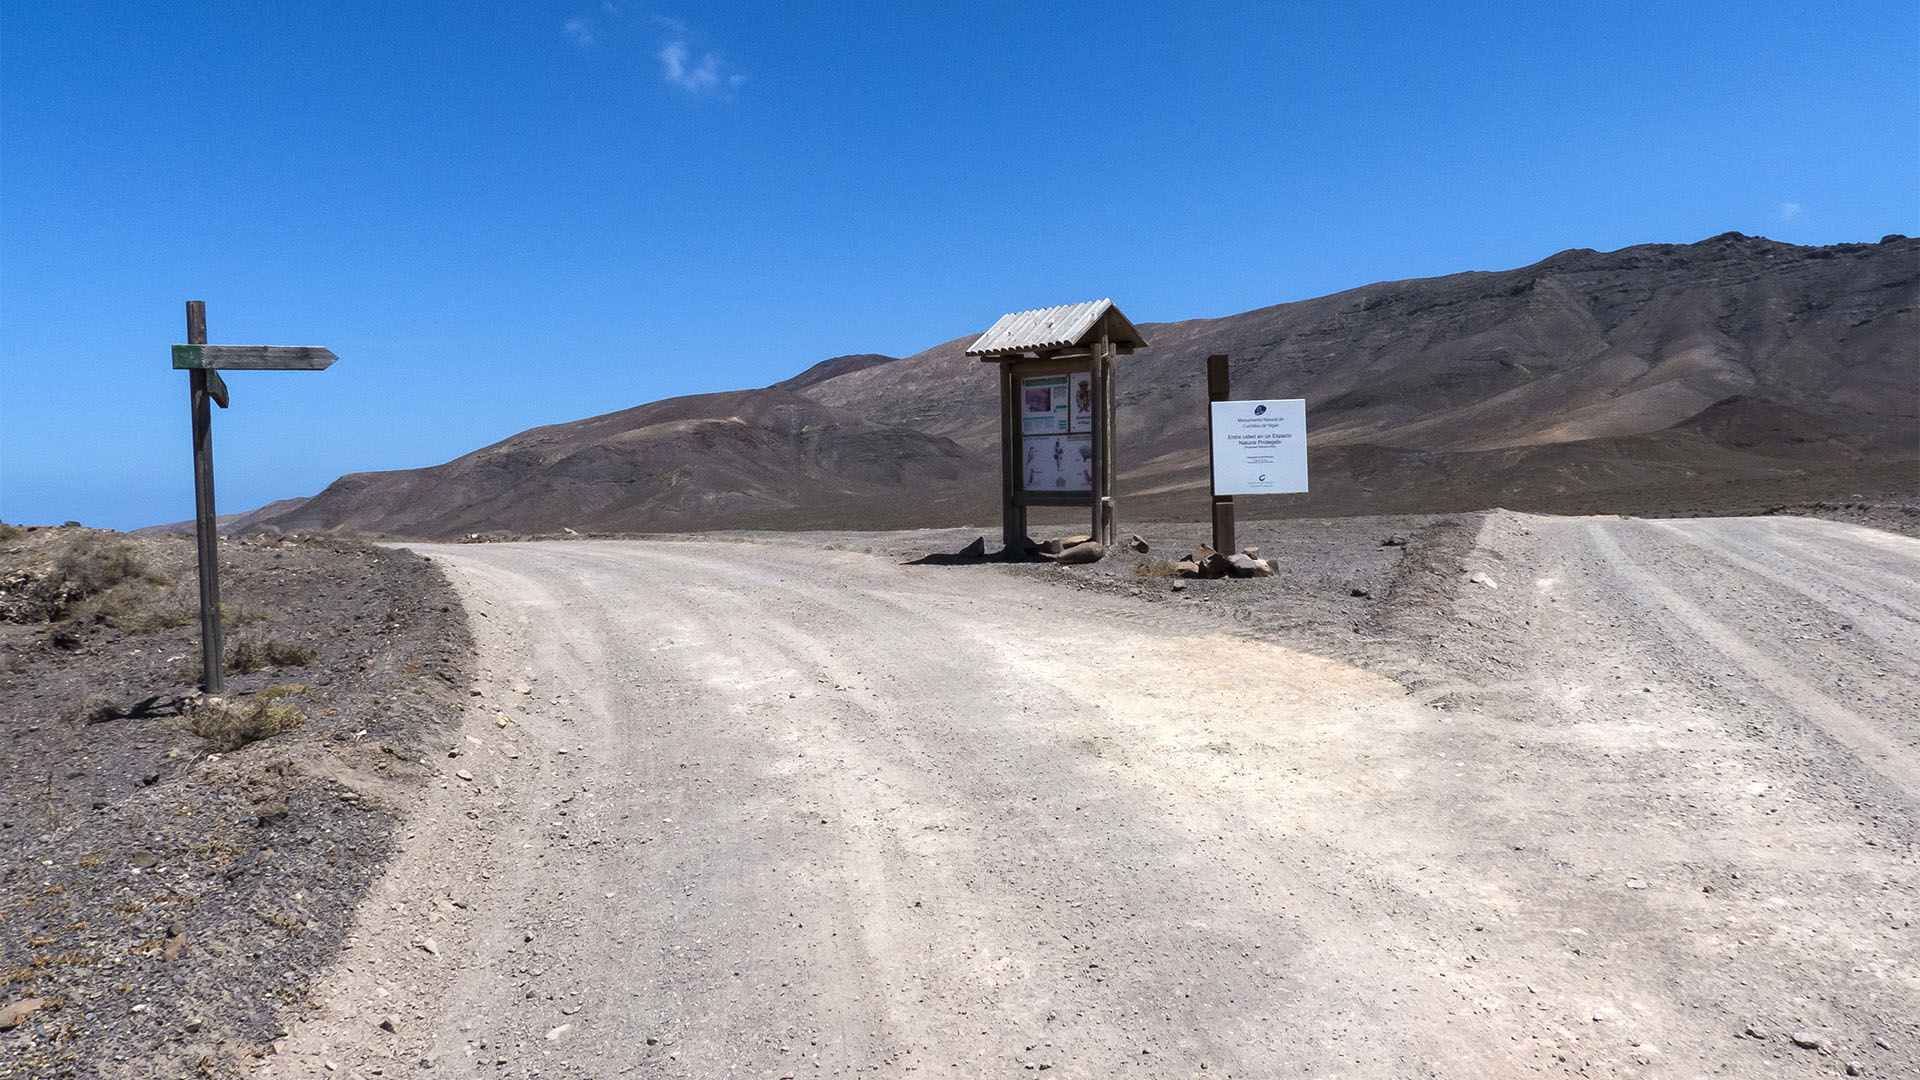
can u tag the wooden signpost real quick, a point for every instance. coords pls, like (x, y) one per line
(205, 362)
(1218, 389)
(1253, 448)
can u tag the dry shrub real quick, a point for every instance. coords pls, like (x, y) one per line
(92, 564)
(84, 565)
(230, 725)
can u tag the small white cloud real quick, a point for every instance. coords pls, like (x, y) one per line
(1789, 211)
(706, 75)
(580, 32)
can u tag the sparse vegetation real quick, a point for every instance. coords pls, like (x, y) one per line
(1159, 569)
(230, 725)
(55, 581)
(91, 564)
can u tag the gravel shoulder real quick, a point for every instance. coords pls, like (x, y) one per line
(167, 898)
(1569, 796)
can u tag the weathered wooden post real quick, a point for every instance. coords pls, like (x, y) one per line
(205, 531)
(203, 363)
(1218, 389)
(1057, 412)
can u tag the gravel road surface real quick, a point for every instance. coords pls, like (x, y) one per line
(782, 808)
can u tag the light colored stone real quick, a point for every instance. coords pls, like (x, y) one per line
(1246, 566)
(20, 1012)
(1137, 544)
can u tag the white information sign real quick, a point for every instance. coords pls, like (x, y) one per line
(1259, 447)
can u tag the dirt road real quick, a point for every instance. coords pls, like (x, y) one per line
(776, 809)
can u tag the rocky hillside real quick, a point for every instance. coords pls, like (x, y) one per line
(1723, 375)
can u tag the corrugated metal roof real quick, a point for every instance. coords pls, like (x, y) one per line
(1054, 328)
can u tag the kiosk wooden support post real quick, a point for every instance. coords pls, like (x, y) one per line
(1013, 513)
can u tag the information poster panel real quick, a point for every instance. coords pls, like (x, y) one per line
(1259, 447)
(1044, 404)
(1081, 418)
(1057, 463)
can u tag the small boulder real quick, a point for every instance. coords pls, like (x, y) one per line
(1396, 540)
(1186, 568)
(1050, 547)
(1074, 541)
(1250, 552)
(975, 550)
(1085, 552)
(1137, 544)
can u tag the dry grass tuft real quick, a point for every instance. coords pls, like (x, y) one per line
(230, 725)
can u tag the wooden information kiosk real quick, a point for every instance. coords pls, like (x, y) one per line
(1056, 411)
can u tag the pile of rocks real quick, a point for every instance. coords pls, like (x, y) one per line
(1205, 562)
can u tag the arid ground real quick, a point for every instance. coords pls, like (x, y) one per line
(1453, 796)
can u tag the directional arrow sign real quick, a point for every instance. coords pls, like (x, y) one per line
(251, 358)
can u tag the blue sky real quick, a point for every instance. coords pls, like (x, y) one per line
(503, 214)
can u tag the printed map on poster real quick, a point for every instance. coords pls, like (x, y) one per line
(1043, 405)
(1057, 463)
(1082, 413)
